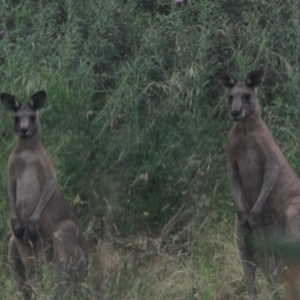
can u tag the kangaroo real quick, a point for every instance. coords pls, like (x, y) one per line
(44, 227)
(265, 189)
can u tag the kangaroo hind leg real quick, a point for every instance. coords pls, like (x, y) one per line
(17, 268)
(292, 220)
(69, 255)
(292, 257)
(246, 252)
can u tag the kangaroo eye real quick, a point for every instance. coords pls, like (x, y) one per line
(230, 98)
(247, 97)
(32, 118)
(17, 119)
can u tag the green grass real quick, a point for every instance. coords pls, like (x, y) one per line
(136, 128)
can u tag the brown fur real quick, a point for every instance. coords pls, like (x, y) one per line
(45, 229)
(266, 190)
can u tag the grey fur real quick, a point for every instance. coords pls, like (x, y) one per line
(265, 189)
(45, 229)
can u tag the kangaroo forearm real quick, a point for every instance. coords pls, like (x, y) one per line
(12, 206)
(235, 185)
(47, 191)
(12, 199)
(12, 213)
(262, 197)
(260, 202)
(239, 207)
(270, 179)
(236, 191)
(44, 198)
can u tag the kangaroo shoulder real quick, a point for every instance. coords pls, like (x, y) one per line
(43, 156)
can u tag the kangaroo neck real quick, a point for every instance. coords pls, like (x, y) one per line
(249, 123)
(29, 143)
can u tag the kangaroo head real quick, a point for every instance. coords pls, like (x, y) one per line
(243, 94)
(26, 122)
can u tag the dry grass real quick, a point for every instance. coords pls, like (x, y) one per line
(208, 268)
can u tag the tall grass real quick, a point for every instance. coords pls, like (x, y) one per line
(136, 127)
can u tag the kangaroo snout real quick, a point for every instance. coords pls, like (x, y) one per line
(23, 131)
(236, 115)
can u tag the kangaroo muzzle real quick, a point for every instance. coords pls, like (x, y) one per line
(236, 114)
(24, 130)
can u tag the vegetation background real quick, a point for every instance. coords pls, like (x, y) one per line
(136, 128)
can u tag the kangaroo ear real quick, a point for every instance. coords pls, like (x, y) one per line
(226, 80)
(10, 102)
(37, 100)
(255, 78)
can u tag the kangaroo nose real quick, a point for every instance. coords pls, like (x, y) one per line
(23, 130)
(235, 113)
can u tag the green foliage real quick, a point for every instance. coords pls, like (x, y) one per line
(126, 122)
(134, 123)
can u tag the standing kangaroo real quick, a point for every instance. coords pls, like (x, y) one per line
(265, 189)
(45, 229)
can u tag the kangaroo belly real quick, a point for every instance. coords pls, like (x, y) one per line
(252, 177)
(28, 191)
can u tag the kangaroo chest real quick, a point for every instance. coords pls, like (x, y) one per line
(250, 166)
(249, 158)
(26, 173)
